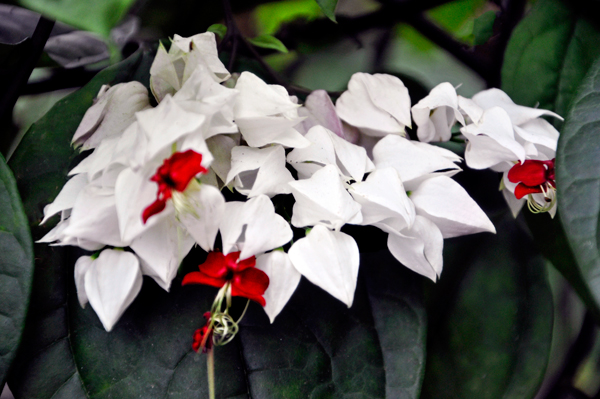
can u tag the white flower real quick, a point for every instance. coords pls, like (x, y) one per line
(265, 114)
(283, 280)
(322, 199)
(110, 283)
(437, 113)
(113, 111)
(171, 70)
(377, 105)
(327, 148)
(257, 171)
(328, 259)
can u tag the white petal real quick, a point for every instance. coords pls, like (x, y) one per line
(447, 204)
(518, 113)
(253, 227)
(208, 209)
(112, 283)
(419, 248)
(163, 76)
(220, 147)
(67, 196)
(82, 266)
(161, 249)
(492, 140)
(376, 104)
(133, 193)
(259, 131)
(469, 109)
(203, 51)
(94, 217)
(382, 196)
(437, 113)
(93, 116)
(166, 124)
(319, 110)
(322, 199)
(413, 160)
(259, 171)
(126, 99)
(283, 280)
(539, 131)
(328, 259)
(257, 99)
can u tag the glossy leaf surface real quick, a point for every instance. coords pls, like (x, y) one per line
(16, 268)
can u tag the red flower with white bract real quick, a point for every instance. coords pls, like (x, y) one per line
(534, 177)
(175, 174)
(245, 280)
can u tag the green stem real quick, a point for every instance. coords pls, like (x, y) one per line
(210, 365)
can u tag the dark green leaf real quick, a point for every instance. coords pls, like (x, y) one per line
(268, 41)
(98, 16)
(548, 56)
(40, 164)
(491, 319)
(16, 268)
(483, 27)
(577, 178)
(218, 29)
(328, 7)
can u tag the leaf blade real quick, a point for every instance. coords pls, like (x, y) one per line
(16, 269)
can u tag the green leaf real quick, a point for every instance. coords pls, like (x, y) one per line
(491, 319)
(40, 164)
(98, 16)
(218, 29)
(483, 27)
(270, 42)
(16, 269)
(548, 55)
(577, 179)
(328, 8)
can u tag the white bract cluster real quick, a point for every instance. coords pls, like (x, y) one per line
(152, 187)
(500, 135)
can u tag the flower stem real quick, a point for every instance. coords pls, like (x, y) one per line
(210, 365)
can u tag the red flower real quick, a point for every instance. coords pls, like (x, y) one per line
(219, 269)
(203, 337)
(175, 173)
(533, 177)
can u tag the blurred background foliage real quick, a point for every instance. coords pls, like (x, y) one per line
(424, 42)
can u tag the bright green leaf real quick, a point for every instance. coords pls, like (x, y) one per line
(491, 318)
(483, 28)
(548, 55)
(98, 16)
(16, 268)
(270, 42)
(218, 29)
(577, 178)
(270, 16)
(328, 7)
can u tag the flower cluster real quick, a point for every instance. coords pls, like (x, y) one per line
(153, 185)
(500, 135)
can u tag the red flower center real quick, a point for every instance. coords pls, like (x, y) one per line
(175, 173)
(533, 177)
(218, 269)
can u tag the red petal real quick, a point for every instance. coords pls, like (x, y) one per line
(183, 166)
(250, 283)
(215, 265)
(522, 190)
(201, 278)
(241, 265)
(152, 209)
(531, 173)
